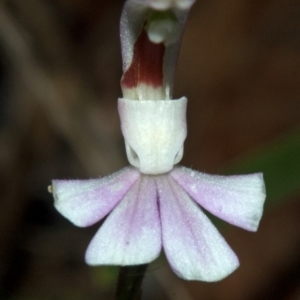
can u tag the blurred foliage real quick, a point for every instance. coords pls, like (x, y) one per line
(105, 276)
(279, 161)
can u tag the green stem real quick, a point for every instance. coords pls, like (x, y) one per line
(129, 282)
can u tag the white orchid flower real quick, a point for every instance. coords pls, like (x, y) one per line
(154, 204)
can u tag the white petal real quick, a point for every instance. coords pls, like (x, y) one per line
(193, 246)
(131, 234)
(238, 199)
(85, 202)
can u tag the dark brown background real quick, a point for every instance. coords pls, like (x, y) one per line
(59, 82)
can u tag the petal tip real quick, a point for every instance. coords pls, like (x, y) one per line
(214, 274)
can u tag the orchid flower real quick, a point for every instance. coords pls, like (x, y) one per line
(156, 203)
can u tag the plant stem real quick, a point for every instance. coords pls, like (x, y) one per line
(129, 282)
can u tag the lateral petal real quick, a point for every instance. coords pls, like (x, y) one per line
(193, 246)
(85, 202)
(131, 234)
(237, 199)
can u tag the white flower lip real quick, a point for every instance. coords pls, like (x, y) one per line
(154, 133)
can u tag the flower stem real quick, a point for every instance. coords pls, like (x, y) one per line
(129, 282)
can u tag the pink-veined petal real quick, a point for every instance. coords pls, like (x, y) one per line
(193, 246)
(238, 199)
(131, 234)
(85, 202)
